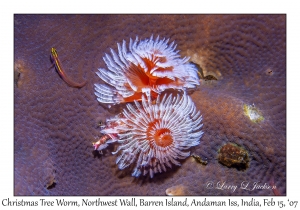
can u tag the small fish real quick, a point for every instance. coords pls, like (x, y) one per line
(58, 66)
(103, 142)
(199, 160)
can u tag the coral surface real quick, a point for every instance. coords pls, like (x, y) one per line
(56, 124)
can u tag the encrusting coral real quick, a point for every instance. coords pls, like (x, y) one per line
(58, 123)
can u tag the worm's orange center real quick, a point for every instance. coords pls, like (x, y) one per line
(163, 137)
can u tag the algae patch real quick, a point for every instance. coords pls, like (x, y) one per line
(253, 113)
(199, 159)
(232, 155)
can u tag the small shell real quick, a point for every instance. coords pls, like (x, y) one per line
(177, 190)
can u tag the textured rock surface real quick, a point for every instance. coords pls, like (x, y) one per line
(55, 124)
